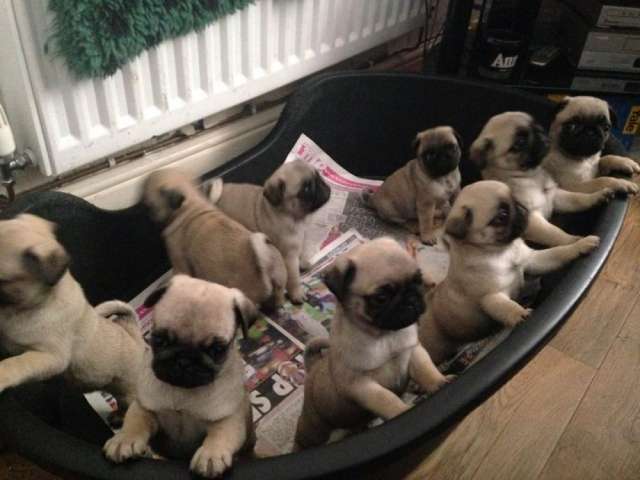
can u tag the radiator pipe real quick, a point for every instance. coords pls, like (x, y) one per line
(8, 165)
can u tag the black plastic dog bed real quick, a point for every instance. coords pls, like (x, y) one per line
(365, 122)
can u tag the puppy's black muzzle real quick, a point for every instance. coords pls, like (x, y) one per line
(402, 309)
(315, 193)
(183, 367)
(440, 160)
(583, 139)
(538, 148)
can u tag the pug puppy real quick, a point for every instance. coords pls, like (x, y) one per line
(578, 134)
(488, 261)
(205, 243)
(191, 385)
(47, 325)
(424, 188)
(510, 148)
(279, 209)
(373, 347)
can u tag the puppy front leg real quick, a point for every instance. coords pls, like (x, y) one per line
(224, 438)
(30, 365)
(618, 185)
(570, 202)
(541, 262)
(376, 399)
(424, 372)
(133, 440)
(540, 230)
(501, 308)
(294, 286)
(615, 163)
(426, 210)
(305, 254)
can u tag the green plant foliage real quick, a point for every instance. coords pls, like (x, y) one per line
(97, 37)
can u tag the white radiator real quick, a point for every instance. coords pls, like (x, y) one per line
(70, 123)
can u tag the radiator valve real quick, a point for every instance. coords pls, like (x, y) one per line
(10, 160)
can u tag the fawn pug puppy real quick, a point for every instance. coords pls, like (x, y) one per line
(191, 385)
(424, 188)
(279, 209)
(578, 135)
(373, 347)
(510, 148)
(48, 326)
(488, 261)
(205, 243)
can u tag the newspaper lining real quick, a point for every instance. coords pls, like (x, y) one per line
(273, 350)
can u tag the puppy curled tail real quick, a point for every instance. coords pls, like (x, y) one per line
(121, 313)
(314, 351)
(215, 191)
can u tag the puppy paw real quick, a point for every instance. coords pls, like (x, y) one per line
(296, 296)
(211, 462)
(439, 382)
(605, 195)
(429, 238)
(305, 264)
(626, 187)
(122, 447)
(587, 244)
(517, 315)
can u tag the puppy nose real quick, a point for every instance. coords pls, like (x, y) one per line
(183, 362)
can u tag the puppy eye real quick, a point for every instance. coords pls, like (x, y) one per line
(572, 127)
(159, 340)
(519, 144)
(501, 219)
(382, 295)
(380, 298)
(306, 190)
(216, 350)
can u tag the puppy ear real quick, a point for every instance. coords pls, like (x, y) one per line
(173, 198)
(479, 152)
(155, 296)
(339, 277)
(415, 143)
(458, 138)
(274, 191)
(561, 105)
(458, 226)
(245, 311)
(48, 262)
(613, 118)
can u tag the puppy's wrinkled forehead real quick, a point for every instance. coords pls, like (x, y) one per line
(168, 179)
(196, 311)
(295, 173)
(378, 262)
(434, 137)
(583, 107)
(502, 128)
(483, 199)
(20, 234)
